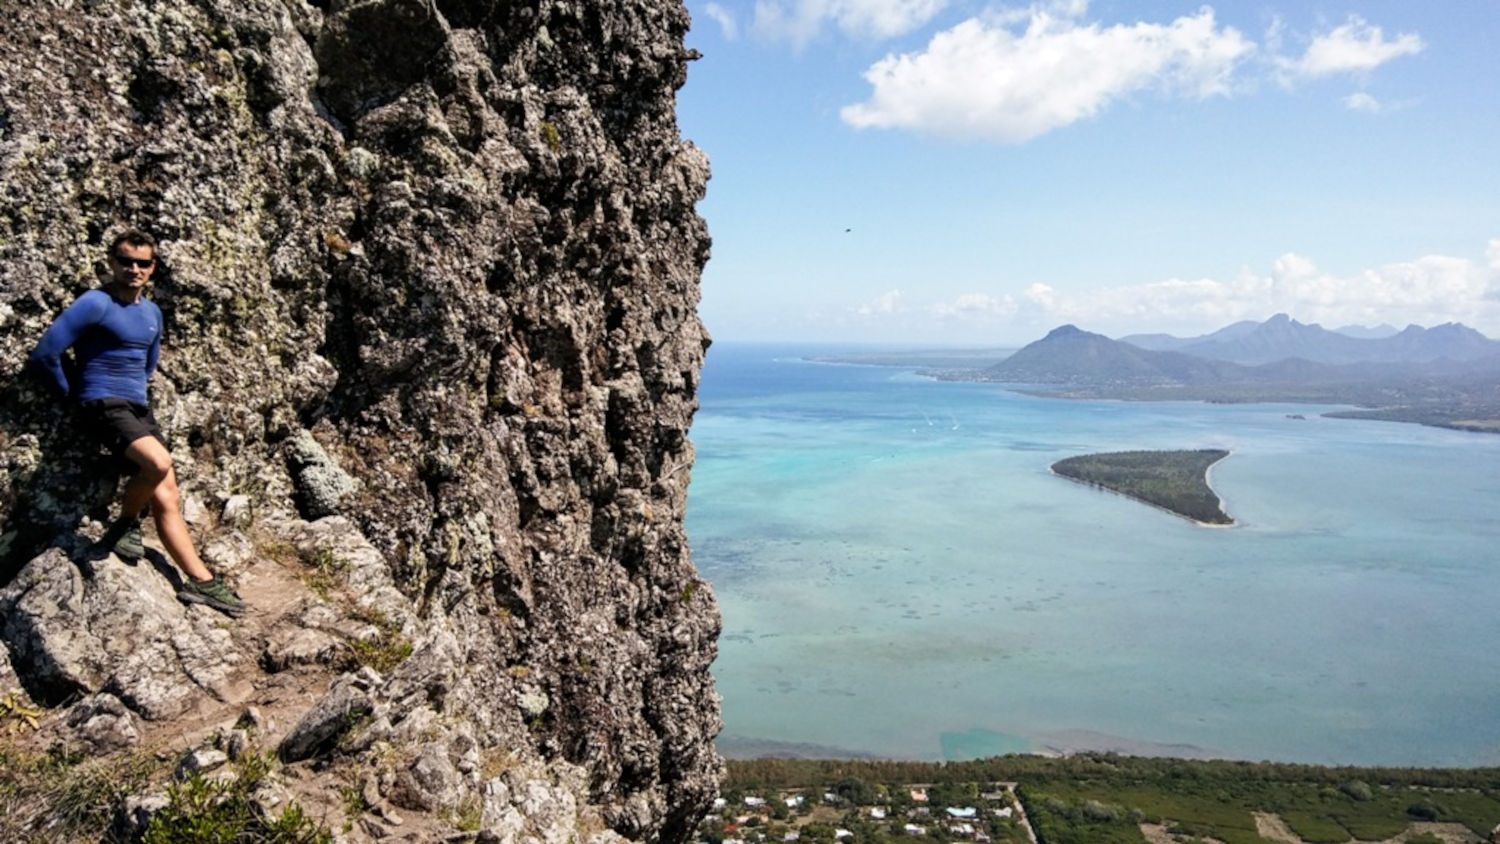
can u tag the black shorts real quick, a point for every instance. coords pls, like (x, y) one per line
(116, 423)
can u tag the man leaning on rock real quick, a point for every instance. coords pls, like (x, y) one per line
(115, 334)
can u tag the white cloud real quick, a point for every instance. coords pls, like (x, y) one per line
(1043, 296)
(974, 306)
(724, 18)
(981, 80)
(1293, 267)
(1428, 290)
(886, 303)
(1492, 258)
(1361, 101)
(1355, 47)
(799, 21)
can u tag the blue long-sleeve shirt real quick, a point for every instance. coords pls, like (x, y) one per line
(117, 348)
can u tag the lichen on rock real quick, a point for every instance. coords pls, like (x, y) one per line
(451, 244)
(321, 484)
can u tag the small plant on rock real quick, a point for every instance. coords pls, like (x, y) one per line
(551, 136)
(468, 816)
(385, 650)
(324, 572)
(223, 809)
(355, 804)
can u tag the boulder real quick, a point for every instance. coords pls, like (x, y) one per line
(341, 710)
(123, 632)
(103, 724)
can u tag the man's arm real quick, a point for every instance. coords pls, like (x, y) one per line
(154, 353)
(59, 337)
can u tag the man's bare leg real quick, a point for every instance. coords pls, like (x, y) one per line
(153, 465)
(156, 483)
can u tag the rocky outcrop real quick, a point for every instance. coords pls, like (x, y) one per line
(122, 633)
(429, 278)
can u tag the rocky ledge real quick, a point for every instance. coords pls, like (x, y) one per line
(429, 276)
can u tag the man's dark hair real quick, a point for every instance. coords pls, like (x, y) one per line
(134, 237)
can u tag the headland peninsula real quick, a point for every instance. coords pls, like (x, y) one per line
(1176, 481)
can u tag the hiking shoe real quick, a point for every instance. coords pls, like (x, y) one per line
(124, 538)
(214, 593)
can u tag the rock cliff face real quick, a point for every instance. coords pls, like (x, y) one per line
(429, 276)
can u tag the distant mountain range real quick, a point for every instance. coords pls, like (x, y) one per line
(1277, 351)
(1070, 355)
(1369, 332)
(1448, 375)
(1282, 337)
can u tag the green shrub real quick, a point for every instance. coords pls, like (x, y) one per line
(1357, 790)
(1426, 810)
(854, 791)
(1103, 812)
(221, 811)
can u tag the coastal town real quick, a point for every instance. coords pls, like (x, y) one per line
(854, 812)
(1098, 798)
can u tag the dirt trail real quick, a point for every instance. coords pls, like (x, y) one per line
(274, 595)
(1272, 828)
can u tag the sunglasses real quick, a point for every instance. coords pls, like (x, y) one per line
(138, 263)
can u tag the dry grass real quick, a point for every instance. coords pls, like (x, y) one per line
(61, 796)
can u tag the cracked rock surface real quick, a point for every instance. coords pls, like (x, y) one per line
(429, 277)
(123, 633)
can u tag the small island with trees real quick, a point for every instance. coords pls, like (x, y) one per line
(1176, 481)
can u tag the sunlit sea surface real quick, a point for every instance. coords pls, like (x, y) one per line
(900, 576)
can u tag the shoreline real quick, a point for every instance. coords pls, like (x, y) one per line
(1208, 481)
(1059, 743)
(1063, 743)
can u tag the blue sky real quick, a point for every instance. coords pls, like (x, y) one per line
(977, 173)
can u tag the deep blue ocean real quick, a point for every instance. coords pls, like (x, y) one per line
(900, 575)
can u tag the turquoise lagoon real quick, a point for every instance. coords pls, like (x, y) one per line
(900, 575)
